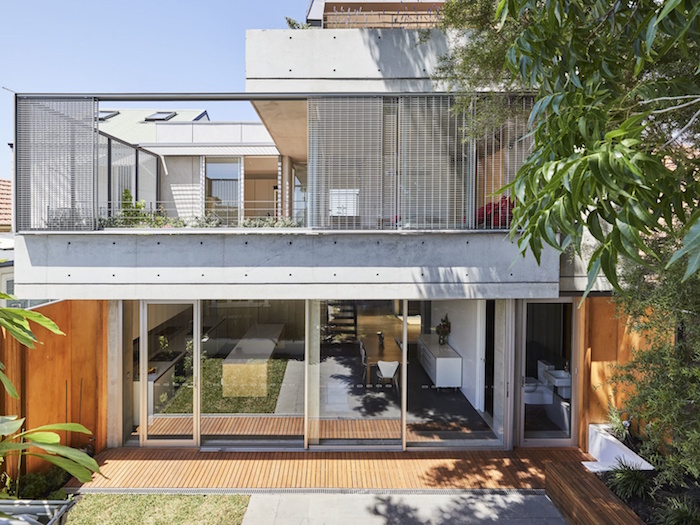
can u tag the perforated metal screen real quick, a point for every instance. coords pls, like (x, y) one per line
(408, 163)
(345, 165)
(56, 148)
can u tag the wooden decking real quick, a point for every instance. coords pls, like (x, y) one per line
(239, 426)
(585, 500)
(189, 469)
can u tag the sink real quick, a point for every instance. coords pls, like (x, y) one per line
(558, 377)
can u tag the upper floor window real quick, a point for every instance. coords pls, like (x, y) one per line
(160, 116)
(105, 114)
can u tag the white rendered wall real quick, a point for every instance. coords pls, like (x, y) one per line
(180, 189)
(210, 132)
(468, 320)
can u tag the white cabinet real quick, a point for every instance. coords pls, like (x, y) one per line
(442, 364)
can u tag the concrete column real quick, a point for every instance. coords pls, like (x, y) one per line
(313, 371)
(114, 374)
(287, 187)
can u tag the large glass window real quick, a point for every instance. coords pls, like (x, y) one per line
(355, 358)
(252, 366)
(222, 189)
(456, 384)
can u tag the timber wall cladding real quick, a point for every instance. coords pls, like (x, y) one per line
(607, 340)
(64, 378)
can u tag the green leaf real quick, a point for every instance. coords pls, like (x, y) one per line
(47, 438)
(79, 472)
(81, 458)
(9, 387)
(10, 424)
(669, 6)
(70, 427)
(691, 248)
(593, 222)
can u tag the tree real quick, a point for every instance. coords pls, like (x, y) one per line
(661, 382)
(615, 120)
(42, 442)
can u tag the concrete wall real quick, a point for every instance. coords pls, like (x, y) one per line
(574, 269)
(342, 60)
(181, 263)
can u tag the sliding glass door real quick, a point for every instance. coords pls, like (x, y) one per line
(168, 373)
(547, 383)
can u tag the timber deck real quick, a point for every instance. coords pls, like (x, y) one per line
(273, 426)
(173, 469)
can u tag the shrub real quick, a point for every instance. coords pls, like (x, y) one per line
(32, 485)
(661, 382)
(628, 482)
(679, 511)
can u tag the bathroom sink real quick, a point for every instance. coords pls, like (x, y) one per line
(558, 377)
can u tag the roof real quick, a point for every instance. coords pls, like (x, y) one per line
(213, 150)
(130, 125)
(5, 204)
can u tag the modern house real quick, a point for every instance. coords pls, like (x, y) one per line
(278, 285)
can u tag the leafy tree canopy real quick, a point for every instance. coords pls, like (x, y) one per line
(615, 121)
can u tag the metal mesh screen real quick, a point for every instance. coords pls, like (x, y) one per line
(55, 163)
(434, 164)
(345, 162)
(498, 156)
(147, 179)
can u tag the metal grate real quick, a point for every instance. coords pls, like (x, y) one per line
(434, 164)
(498, 156)
(345, 162)
(56, 157)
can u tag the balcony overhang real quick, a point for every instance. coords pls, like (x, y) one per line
(280, 264)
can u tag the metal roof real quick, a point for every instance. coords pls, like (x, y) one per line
(130, 125)
(218, 150)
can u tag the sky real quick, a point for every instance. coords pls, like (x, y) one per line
(143, 46)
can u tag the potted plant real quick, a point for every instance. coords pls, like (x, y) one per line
(443, 330)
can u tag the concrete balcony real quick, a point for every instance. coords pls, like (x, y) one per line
(279, 264)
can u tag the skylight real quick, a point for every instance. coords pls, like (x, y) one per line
(160, 116)
(106, 114)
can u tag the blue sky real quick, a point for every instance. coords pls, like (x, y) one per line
(129, 46)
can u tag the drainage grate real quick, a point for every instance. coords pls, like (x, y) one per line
(227, 491)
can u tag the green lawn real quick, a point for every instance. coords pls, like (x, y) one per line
(213, 402)
(129, 509)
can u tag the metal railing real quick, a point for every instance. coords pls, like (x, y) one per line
(194, 214)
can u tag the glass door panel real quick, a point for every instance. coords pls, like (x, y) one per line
(167, 362)
(252, 367)
(355, 361)
(546, 379)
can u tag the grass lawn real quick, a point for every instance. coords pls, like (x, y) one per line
(131, 509)
(213, 401)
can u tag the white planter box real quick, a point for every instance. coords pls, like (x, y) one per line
(608, 451)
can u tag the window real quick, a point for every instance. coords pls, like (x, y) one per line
(223, 189)
(105, 114)
(160, 116)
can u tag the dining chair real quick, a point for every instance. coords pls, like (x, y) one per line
(388, 370)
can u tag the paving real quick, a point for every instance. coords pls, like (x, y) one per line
(509, 507)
